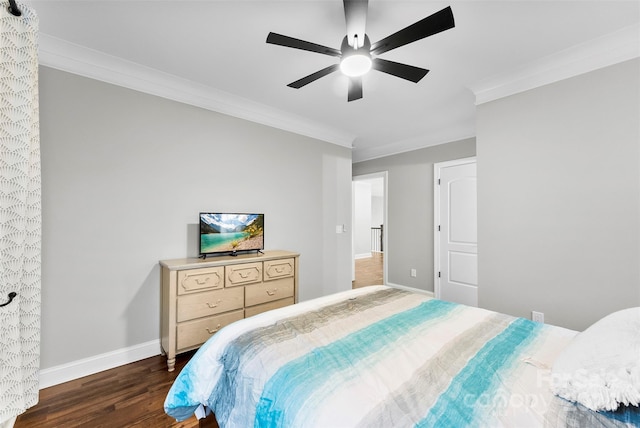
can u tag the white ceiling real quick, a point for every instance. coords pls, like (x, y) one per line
(213, 54)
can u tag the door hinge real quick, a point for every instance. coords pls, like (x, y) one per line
(438, 228)
(438, 181)
(438, 274)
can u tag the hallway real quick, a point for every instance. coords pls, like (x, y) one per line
(369, 271)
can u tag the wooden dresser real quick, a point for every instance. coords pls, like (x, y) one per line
(200, 296)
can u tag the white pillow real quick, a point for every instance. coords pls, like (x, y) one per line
(600, 368)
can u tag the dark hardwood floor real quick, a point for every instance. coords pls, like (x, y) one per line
(133, 395)
(127, 396)
(369, 271)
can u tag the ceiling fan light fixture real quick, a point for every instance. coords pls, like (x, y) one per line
(355, 57)
(356, 64)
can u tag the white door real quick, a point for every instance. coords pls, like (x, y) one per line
(456, 242)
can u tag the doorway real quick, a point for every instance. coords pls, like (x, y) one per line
(456, 231)
(369, 234)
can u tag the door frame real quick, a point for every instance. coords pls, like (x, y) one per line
(385, 221)
(437, 168)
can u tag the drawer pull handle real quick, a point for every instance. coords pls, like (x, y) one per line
(213, 305)
(280, 269)
(244, 275)
(202, 281)
(272, 293)
(213, 331)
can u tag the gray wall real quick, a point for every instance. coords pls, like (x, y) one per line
(124, 175)
(410, 208)
(362, 219)
(377, 211)
(559, 198)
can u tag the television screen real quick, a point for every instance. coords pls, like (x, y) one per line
(230, 233)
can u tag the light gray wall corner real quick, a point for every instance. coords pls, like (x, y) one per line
(124, 175)
(410, 208)
(335, 210)
(559, 198)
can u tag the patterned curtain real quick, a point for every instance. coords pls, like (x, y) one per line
(20, 218)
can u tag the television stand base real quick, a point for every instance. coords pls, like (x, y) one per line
(233, 253)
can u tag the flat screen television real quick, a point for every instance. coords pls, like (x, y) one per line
(231, 233)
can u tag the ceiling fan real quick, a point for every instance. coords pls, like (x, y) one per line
(356, 53)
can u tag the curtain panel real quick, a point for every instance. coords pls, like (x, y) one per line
(20, 212)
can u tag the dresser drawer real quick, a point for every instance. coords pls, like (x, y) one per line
(275, 269)
(207, 303)
(200, 297)
(258, 309)
(247, 273)
(200, 279)
(194, 333)
(268, 291)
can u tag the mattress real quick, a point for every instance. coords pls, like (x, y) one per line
(381, 356)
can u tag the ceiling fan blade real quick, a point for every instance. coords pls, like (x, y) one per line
(313, 76)
(290, 42)
(355, 89)
(404, 71)
(355, 16)
(433, 24)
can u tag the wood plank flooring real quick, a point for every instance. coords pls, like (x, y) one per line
(133, 395)
(369, 271)
(127, 396)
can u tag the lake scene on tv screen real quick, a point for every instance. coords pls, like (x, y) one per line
(231, 232)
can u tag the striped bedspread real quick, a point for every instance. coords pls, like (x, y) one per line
(380, 357)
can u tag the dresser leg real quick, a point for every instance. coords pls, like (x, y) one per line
(171, 364)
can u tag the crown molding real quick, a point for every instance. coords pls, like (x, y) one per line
(610, 49)
(443, 136)
(613, 48)
(70, 57)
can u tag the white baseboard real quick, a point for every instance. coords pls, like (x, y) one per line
(88, 366)
(417, 290)
(98, 363)
(363, 256)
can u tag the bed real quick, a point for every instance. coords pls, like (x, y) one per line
(385, 357)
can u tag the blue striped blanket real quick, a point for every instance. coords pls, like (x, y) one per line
(379, 357)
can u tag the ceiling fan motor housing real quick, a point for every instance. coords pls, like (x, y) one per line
(355, 61)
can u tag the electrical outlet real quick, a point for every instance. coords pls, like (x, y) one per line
(413, 273)
(537, 316)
